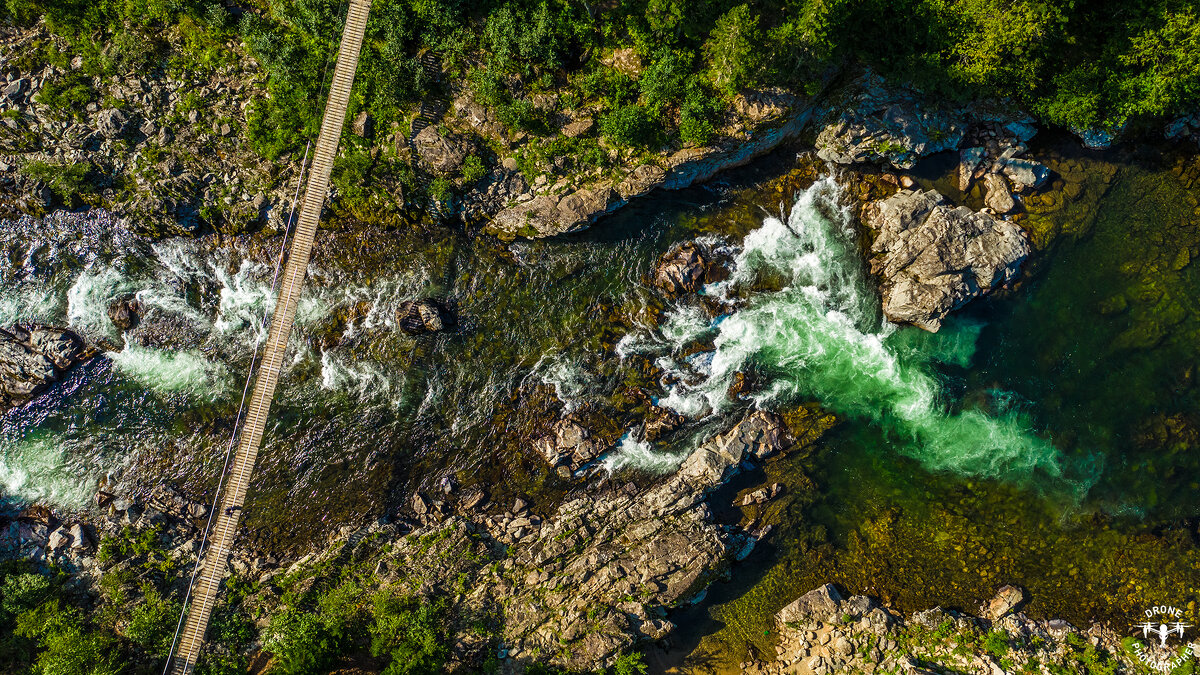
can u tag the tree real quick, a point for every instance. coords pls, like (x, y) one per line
(1166, 61)
(733, 58)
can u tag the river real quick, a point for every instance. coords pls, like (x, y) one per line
(1046, 436)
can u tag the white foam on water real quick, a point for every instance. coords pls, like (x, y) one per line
(631, 453)
(38, 468)
(822, 337)
(170, 371)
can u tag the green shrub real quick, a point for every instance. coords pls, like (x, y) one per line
(732, 50)
(67, 648)
(996, 643)
(70, 94)
(629, 664)
(473, 170)
(410, 632)
(65, 180)
(152, 622)
(301, 642)
(632, 125)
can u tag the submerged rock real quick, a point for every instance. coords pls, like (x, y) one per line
(421, 316)
(32, 357)
(935, 257)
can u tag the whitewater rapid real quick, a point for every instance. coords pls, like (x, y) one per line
(821, 336)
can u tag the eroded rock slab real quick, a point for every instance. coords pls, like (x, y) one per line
(934, 257)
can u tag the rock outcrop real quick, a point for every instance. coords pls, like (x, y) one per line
(569, 447)
(877, 122)
(32, 357)
(125, 313)
(417, 317)
(681, 269)
(933, 257)
(823, 633)
(575, 202)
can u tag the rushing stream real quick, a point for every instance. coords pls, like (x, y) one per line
(1045, 437)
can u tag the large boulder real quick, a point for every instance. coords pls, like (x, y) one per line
(934, 257)
(568, 447)
(112, 123)
(681, 269)
(32, 357)
(416, 317)
(816, 605)
(124, 313)
(442, 154)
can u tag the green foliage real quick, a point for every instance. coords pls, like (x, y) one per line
(665, 80)
(65, 180)
(632, 125)
(68, 648)
(1166, 67)
(996, 643)
(153, 621)
(629, 664)
(301, 642)
(473, 170)
(411, 632)
(20, 593)
(732, 52)
(70, 94)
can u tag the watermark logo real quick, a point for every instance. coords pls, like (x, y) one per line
(1164, 631)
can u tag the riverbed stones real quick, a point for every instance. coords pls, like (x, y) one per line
(34, 356)
(933, 257)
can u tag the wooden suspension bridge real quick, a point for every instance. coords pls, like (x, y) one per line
(207, 582)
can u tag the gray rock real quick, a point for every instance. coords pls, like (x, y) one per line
(79, 537)
(681, 269)
(421, 316)
(112, 123)
(815, 605)
(33, 357)
(1004, 602)
(124, 313)
(59, 540)
(1024, 172)
(934, 258)
(996, 194)
(443, 154)
(968, 160)
(16, 89)
(888, 124)
(568, 447)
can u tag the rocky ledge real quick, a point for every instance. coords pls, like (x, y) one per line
(934, 257)
(821, 632)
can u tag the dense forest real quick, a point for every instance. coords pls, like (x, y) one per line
(1085, 65)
